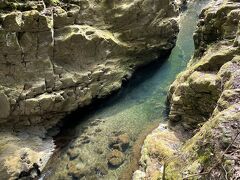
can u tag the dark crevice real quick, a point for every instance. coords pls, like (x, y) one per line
(68, 124)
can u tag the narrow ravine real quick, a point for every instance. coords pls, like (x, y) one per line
(127, 116)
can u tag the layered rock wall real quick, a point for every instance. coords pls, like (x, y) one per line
(57, 56)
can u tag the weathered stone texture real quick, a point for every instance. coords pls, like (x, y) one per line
(196, 91)
(211, 84)
(57, 56)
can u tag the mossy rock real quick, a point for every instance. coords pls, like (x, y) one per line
(51, 2)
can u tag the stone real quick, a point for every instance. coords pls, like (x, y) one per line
(61, 18)
(115, 158)
(72, 153)
(138, 175)
(77, 172)
(58, 56)
(100, 169)
(120, 142)
(33, 21)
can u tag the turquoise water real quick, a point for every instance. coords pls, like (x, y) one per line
(137, 106)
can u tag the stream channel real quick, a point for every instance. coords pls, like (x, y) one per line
(128, 115)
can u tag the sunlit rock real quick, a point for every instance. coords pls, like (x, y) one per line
(204, 103)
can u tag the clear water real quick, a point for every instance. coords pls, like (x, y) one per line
(134, 109)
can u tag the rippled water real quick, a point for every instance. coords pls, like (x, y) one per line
(134, 110)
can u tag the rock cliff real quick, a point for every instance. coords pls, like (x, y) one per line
(204, 106)
(59, 55)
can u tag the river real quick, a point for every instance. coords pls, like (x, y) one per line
(136, 109)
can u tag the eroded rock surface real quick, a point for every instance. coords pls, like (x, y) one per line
(158, 147)
(57, 56)
(205, 103)
(195, 93)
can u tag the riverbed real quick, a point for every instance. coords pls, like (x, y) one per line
(131, 113)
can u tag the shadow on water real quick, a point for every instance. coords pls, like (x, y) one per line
(67, 131)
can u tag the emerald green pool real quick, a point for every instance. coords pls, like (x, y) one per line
(135, 108)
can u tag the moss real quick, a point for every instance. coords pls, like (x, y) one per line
(173, 169)
(205, 158)
(203, 134)
(194, 154)
(176, 166)
(160, 145)
(200, 151)
(228, 166)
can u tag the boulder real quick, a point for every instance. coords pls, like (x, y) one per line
(115, 159)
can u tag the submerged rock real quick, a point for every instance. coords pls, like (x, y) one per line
(77, 172)
(115, 159)
(100, 169)
(73, 153)
(119, 142)
(85, 140)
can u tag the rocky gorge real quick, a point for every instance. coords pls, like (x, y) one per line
(59, 56)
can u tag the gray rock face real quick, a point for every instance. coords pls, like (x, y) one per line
(195, 93)
(57, 56)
